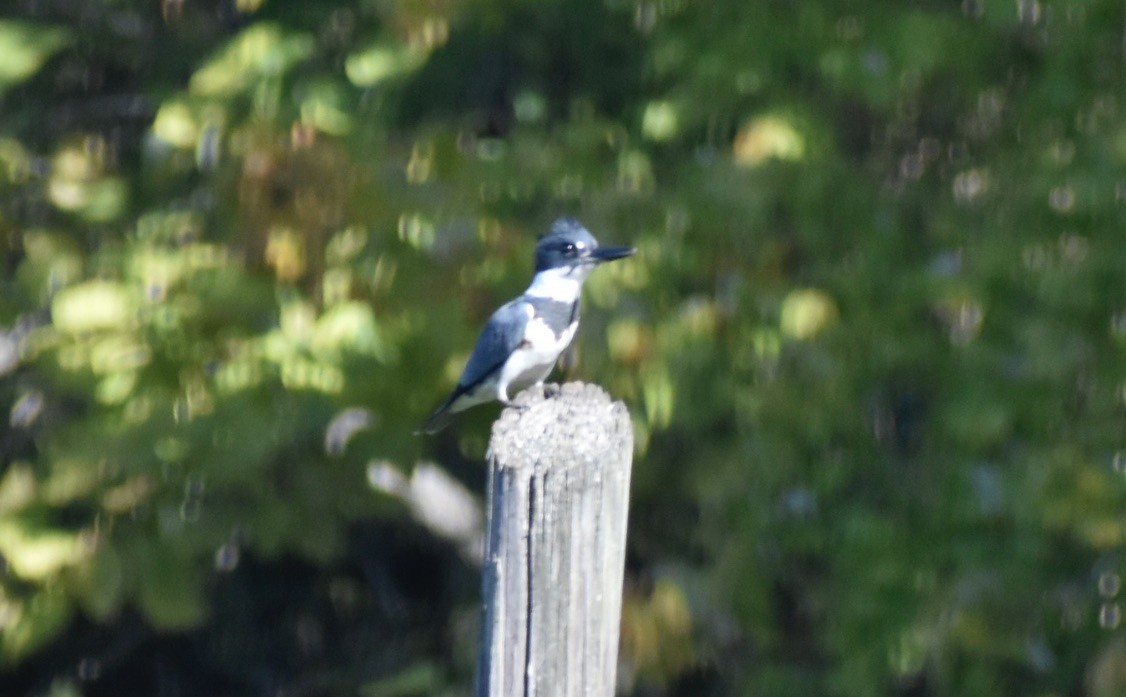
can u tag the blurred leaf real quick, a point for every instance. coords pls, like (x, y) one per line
(36, 553)
(100, 584)
(262, 50)
(32, 622)
(168, 586)
(382, 60)
(767, 137)
(871, 343)
(660, 121)
(349, 326)
(657, 392)
(25, 47)
(91, 306)
(806, 312)
(657, 631)
(17, 488)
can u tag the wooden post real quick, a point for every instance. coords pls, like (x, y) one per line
(559, 470)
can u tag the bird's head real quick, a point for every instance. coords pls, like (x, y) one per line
(570, 247)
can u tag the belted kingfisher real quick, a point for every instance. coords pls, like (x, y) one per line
(522, 340)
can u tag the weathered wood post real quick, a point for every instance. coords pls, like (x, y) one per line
(559, 471)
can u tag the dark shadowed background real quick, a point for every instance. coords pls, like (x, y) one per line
(873, 343)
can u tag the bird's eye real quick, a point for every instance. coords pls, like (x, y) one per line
(569, 248)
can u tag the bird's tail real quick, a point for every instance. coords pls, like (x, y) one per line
(434, 423)
(439, 419)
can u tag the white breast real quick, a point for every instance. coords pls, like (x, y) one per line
(563, 285)
(534, 359)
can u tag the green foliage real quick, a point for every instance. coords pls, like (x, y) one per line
(872, 341)
(26, 47)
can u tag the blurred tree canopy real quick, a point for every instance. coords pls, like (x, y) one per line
(874, 343)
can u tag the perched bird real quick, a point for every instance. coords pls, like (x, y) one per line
(522, 340)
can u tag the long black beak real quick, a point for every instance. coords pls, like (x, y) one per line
(602, 254)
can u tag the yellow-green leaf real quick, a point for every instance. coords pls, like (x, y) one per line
(25, 47)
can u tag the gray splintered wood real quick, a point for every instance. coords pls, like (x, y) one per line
(559, 471)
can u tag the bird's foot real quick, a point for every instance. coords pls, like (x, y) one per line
(511, 404)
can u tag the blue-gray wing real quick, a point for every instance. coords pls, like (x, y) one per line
(502, 334)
